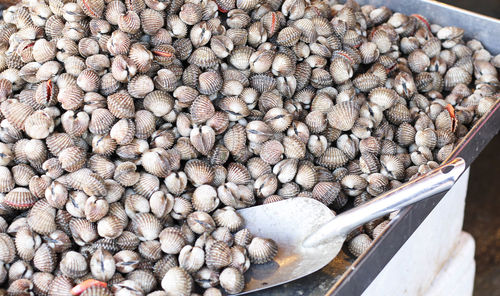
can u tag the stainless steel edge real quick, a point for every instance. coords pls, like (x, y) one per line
(367, 266)
(477, 26)
(347, 276)
(438, 180)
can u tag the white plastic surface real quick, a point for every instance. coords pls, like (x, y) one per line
(420, 260)
(457, 275)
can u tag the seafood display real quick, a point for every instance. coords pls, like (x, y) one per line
(131, 131)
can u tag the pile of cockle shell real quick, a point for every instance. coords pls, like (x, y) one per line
(131, 131)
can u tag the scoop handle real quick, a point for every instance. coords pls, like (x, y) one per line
(436, 181)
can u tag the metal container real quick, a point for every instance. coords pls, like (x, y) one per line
(346, 276)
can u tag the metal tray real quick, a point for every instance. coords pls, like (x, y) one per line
(346, 276)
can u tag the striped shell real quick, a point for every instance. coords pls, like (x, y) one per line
(261, 250)
(343, 116)
(92, 8)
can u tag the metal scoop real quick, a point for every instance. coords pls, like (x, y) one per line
(309, 235)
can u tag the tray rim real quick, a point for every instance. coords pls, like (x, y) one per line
(367, 266)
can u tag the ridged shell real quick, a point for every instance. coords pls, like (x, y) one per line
(455, 76)
(45, 259)
(101, 121)
(178, 281)
(232, 280)
(199, 172)
(272, 152)
(209, 83)
(426, 138)
(41, 217)
(7, 247)
(140, 86)
(359, 244)
(146, 226)
(73, 265)
(405, 135)
(218, 255)
(235, 138)
(15, 112)
(92, 8)
(203, 57)
(61, 285)
(228, 217)
(294, 147)
(288, 36)
(261, 250)
(201, 109)
(332, 158)
(126, 173)
(86, 180)
(6, 180)
(121, 105)
(263, 82)
(126, 261)
(160, 103)
(20, 199)
(72, 158)
(57, 142)
(343, 116)
(172, 240)
(383, 97)
(41, 283)
(326, 192)
(398, 114)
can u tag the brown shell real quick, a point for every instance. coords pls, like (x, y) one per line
(101, 121)
(20, 199)
(261, 250)
(218, 255)
(203, 57)
(92, 8)
(57, 142)
(383, 97)
(121, 105)
(15, 112)
(45, 259)
(199, 172)
(8, 248)
(332, 158)
(201, 109)
(326, 192)
(343, 115)
(72, 158)
(209, 83)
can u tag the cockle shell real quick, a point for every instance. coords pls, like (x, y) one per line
(332, 158)
(218, 255)
(343, 116)
(126, 261)
(205, 198)
(73, 264)
(177, 280)
(172, 240)
(45, 259)
(359, 244)
(20, 198)
(261, 250)
(8, 248)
